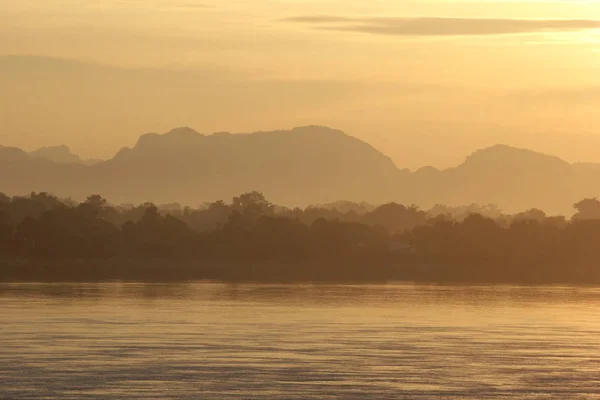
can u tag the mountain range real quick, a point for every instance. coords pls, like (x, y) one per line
(59, 154)
(302, 166)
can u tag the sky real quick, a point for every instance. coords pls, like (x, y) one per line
(426, 82)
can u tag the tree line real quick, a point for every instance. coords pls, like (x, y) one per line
(251, 238)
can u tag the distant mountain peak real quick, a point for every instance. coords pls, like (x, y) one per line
(60, 154)
(318, 129)
(56, 154)
(183, 131)
(12, 154)
(427, 170)
(305, 165)
(505, 155)
(298, 166)
(174, 139)
(505, 149)
(187, 138)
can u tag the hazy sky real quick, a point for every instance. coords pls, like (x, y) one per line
(424, 81)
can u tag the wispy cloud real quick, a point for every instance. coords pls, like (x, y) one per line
(437, 26)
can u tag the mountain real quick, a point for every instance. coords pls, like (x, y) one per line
(306, 165)
(515, 179)
(12, 154)
(59, 154)
(62, 155)
(297, 167)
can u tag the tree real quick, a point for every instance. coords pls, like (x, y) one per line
(27, 236)
(587, 209)
(150, 217)
(396, 217)
(155, 235)
(4, 199)
(212, 217)
(93, 206)
(532, 215)
(6, 232)
(252, 205)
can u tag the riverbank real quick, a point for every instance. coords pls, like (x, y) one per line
(348, 271)
(164, 270)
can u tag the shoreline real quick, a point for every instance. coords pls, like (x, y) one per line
(43, 270)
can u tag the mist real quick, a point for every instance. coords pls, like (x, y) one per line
(460, 77)
(317, 199)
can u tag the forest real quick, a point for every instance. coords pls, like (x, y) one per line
(46, 238)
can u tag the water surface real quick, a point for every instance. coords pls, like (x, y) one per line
(215, 341)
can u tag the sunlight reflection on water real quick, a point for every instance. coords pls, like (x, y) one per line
(153, 341)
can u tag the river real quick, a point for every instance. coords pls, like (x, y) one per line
(220, 341)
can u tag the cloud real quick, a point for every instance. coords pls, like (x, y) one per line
(436, 26)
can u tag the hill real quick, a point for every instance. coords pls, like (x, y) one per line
(515, 179)
(306, 165)
(301, 166)
(297, 167)
(60, 154)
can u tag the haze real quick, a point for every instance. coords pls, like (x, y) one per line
(426, 82)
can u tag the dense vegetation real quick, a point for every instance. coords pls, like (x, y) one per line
(43, 237)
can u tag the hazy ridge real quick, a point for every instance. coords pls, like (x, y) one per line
(305, 165)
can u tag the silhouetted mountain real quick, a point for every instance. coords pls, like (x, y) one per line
(301, 166)
(60, 154)
(510, 177)
(12, 154)
(307, 165)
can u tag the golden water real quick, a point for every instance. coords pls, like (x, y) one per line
(216, 341)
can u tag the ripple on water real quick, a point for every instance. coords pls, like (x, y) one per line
(190, 341)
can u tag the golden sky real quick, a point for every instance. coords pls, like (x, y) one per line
(424, 81)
